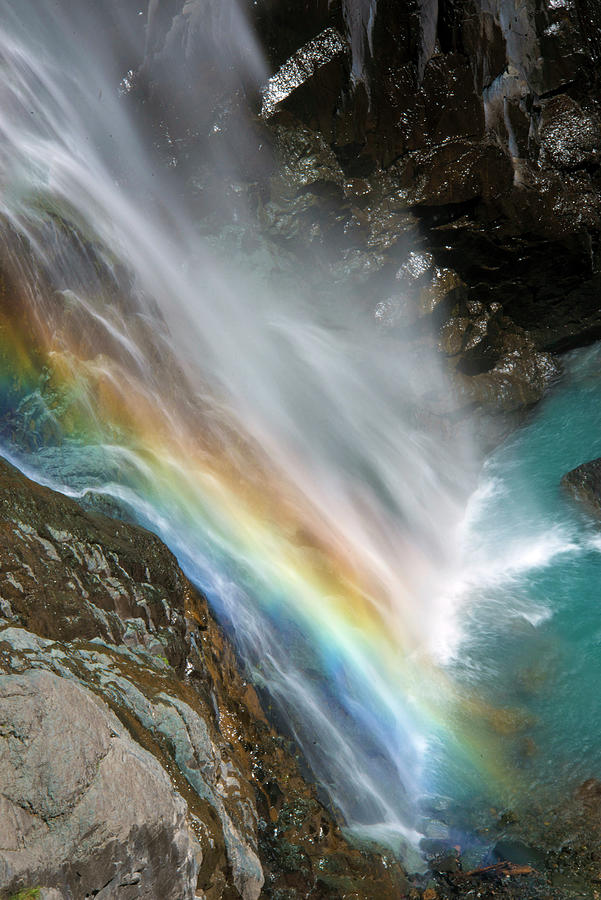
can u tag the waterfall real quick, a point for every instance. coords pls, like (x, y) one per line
(359, 18)
(283, 443)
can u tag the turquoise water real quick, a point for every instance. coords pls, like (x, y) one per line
(529, 596)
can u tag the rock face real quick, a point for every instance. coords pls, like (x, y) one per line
(482, 120)
(466, 133)
(135, 761)
(84, 808)
(480, 142)
(584, 484)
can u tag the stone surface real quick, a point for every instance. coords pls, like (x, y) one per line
(584, 484)
(469, 131)
(117, 683)
(85, 810)
(128, 775)
(304, 67)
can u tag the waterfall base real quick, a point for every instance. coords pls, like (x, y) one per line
(99, 626)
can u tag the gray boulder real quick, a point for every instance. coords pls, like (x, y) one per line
(83, 808)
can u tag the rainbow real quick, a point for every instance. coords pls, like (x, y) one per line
(182, 464)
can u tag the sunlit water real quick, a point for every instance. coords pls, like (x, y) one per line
(529, 597)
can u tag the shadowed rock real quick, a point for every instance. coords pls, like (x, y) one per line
(470, 130)
(584, 484)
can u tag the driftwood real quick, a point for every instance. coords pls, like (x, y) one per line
(501, 868)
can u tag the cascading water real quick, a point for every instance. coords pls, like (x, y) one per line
(359, 20)
(282, 444)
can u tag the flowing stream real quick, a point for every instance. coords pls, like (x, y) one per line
(285, 446)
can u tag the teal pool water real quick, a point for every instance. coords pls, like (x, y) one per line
(528, 601)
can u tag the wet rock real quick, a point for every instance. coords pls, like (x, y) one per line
(584, 485)
(517, 379)
(547, 853)
(520, 854)
(305, 69)
(471, 132)
(569, 136)
(455, 173)
(446, 864)
(68, 573)
(496, 370)
(106, 627)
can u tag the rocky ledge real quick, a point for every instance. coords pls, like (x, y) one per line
(135, 760)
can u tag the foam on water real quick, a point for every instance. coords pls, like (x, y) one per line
(527, 598)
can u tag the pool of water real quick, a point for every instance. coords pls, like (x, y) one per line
(529, 604)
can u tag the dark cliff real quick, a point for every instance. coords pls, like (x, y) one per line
(470, 135)
(439, 160)
(483, 118)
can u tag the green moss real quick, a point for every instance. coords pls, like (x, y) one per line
(293, 815)
(27, 894)
(290, 857)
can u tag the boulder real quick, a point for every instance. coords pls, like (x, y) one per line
(584, 485)
(85, 810)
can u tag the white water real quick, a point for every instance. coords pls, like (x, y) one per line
(332, 400)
